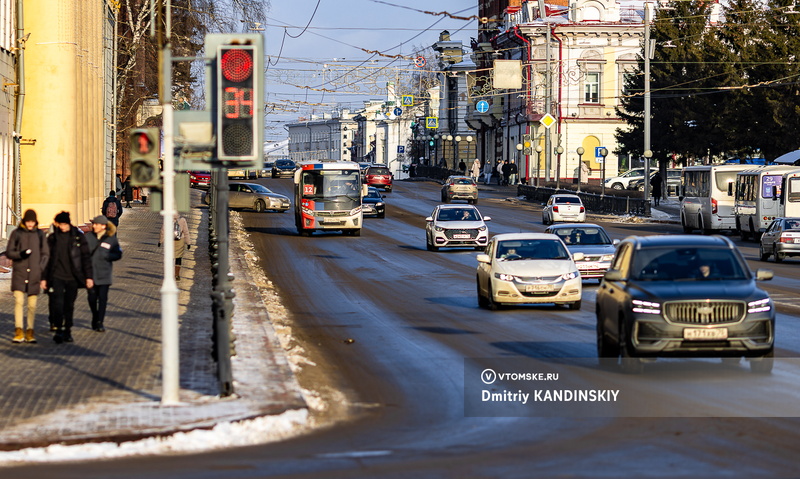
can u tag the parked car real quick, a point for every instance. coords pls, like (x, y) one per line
(283, 168)
(621, 182)
(682, 295)
(373, 203)
(256, 196)
(267, 169)
(460, 188)
(200, 179)
(379, 177)
(591, 240)
(781, 239)
(672, 184)
(528, 268)
(451, 226)
(563, 208)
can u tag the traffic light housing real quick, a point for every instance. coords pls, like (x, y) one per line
(527, 145)
(144, 157)
(239, 98)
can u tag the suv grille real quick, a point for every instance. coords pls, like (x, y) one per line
(704, 312)
(473, 233)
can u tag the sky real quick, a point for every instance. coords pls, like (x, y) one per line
(327, 45)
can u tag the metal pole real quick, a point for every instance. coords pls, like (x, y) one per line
(647, 53)
(223, 293)
(169, 289)
(548, 150)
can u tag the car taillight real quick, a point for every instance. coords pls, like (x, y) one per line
(582, 209)
(786, 239)
(713, 206)
(555, 209)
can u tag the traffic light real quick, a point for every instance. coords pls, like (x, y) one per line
(145, 150)
(527, 146)
(239, 99)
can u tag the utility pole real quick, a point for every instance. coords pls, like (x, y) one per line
(648, 52)
(548, 142)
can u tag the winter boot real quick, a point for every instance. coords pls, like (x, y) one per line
(177, 273)
(19, 337)
(29, 336)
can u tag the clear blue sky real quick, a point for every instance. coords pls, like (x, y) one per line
(330, 54)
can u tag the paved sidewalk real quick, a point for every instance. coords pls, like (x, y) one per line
(107, 386)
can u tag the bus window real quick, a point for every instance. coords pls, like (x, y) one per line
(794, 190)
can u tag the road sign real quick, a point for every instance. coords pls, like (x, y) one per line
(482, 106)
(401, 149)
(419, 62)
(398, 111)
(432, 122)
(407, 100)
(597, 156)
(547, 120)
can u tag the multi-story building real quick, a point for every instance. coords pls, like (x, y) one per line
(322, 138)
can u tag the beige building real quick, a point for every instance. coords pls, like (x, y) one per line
(66, 144)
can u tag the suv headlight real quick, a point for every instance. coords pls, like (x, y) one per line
(438, 228)
(504, 277)
(760, 306)
(482, 228)
(646, 307)
(570, 275)
(607, 257)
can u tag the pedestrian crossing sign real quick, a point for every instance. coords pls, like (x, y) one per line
(408, 100)
(432, 122)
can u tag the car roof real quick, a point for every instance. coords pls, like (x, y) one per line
(575, 225)
(455, 207)
(520, 236)
(679, 240)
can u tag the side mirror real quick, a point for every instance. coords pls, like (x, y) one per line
(578, 256)
(615, 242)
(764, 274)
(613, 275)
(429, 218)
(487, 218)
(483, 258)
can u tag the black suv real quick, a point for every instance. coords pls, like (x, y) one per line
(683, 295)
(283, 168)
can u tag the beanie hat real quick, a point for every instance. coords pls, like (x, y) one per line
(112, 193)
(62, 217)
(29, 215)
(100, 220)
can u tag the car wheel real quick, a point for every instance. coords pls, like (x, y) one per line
(482, 302)
(630, 364)
(764, 364)
(574, 306)
(617, 186)
(356, 232)
(303, 232)
(607, 350)
(493, 305)
(475, 201)
(260, 206)
(480, 248)
(382, 215)
(779, 257)
(761, 254)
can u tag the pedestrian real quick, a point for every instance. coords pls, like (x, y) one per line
(462, 167)
(27, 248)
(180, 234)
(656, 183)
(105, 249)
(499, 170)
(512, 173)
(128, 188)
(476, 169)
(506, 169)
(488, 168)
(112, 208)
(144, 192)
(68, 269)
(119, 188)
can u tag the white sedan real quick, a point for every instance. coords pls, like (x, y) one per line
(563, 208)
(528, 268)
(456, 226)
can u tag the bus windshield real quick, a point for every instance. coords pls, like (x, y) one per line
(331, 184)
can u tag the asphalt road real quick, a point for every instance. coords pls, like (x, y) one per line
(396, 331)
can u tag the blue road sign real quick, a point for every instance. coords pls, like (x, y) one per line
(401, 149)
(398, 111)
(482, 106)
(407, 100)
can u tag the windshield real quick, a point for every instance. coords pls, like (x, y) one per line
(687, 264)
(513, 250)
(285, 163)
(583, 235)
(567, 200)
(374, 194)
(331, 184)
(458, 214)
(378, 171)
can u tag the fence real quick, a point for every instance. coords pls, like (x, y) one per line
(608, 204)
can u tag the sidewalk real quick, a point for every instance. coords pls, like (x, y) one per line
(107, 386)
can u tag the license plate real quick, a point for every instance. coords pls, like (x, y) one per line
(588, 266)
(705, 334)
(333, 222)
(538, 287)
(797, 240)
(460, 236)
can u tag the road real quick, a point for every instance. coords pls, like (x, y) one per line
(394, 332)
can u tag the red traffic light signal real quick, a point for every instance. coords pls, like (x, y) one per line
(144, 153)
(238, 103)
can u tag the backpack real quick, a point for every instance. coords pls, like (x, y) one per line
(177, 230)
(111, 210)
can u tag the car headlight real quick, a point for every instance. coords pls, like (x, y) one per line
(307, 211)
(607, 257)
(760, 306)
(646, 307)
(380, 203)
(438, 228)
(355, 211)
(504, 277)
(570, 275)
(482, 228)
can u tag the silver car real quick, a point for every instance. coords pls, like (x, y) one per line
(460, 188)
(456, 226)
(591, 240)
(257, 197)
(781, 239)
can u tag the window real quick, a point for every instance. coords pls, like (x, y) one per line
(591, 88)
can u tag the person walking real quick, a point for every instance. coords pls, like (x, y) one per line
(499, 170)
(180, 234)
(462, 167)
(656, 182)
(105, 249)
(513, 173)
(69, 268)
(488, 169)
(128, 191)
(506, 169)
(476, 169)
(112, 208)
(27, 248)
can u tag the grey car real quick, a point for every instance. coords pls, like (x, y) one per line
(460, 188)
(781, 239)
(257, 197)
(591, 240)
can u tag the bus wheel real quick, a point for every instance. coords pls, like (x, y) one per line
(686, 229)
(702, 226)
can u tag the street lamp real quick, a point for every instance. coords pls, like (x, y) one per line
(647, 155)
(603, 153)
(538, 162)
(559, 151)
(580, 152)
(450, 139)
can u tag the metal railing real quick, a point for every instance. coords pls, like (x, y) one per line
(608, 204)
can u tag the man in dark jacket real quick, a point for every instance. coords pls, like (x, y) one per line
(27, 248)
(656, 183)
(112, 208)
(105, 250)
(69, 268)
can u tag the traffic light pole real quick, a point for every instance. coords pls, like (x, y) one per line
(170, 368)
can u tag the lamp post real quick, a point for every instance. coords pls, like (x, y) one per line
(469, 144)
(647, 155)
(559, 151)
(457, 153)
(449, 138)
(538, 162)
(580, 152)
(603, 153)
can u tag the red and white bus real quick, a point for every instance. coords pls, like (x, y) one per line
(327, 197)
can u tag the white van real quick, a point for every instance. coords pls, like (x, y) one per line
(756, 203)
(707, 197)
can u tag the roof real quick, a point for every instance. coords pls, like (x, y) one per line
(575, 225)
(680, 240)
(521, 236)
